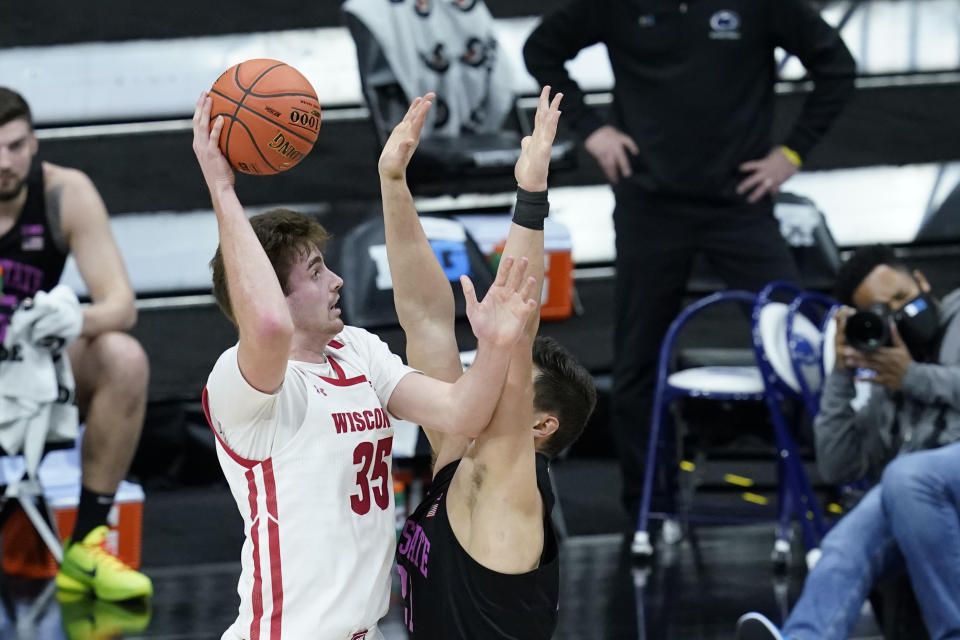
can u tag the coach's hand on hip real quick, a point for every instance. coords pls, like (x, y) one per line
(766, 174)
(609, 146)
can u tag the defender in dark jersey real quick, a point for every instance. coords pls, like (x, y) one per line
(478, 557)
(48, 212)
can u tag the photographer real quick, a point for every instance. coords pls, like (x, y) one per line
(915, 396)
(910, 354)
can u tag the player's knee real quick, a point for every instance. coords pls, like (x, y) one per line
(123, 362)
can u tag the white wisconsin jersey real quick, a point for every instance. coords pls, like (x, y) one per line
(318, 509)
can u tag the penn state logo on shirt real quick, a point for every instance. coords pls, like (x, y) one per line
(423, 7)
(441, 112)
(436, 59)
(479, 115)
(725, 25)
(477, 51)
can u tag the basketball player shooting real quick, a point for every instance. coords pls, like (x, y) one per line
(478, 557)
(300, 409)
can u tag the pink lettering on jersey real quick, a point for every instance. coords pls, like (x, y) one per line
(21, 278)
(406, 593)
(415, 546)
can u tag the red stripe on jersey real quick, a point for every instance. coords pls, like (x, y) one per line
(336, 344)
(273, 530)
(243, 462)
(341, 380)
(257, 596)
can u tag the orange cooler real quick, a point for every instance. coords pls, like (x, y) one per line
(490, 233)
(25, 554)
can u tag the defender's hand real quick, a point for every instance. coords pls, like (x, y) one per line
(500, 318)
(404, 139)
(534, 161)
(206, 145)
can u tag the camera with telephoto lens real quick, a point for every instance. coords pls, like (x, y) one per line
(869, 330)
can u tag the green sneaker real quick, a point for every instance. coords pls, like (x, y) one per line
(88, 567)
(84, 618)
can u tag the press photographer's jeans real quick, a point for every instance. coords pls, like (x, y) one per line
(921, 499)
(911, 518)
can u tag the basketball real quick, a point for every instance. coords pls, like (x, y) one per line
(271, 116)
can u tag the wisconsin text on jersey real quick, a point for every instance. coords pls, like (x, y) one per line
(366, 420)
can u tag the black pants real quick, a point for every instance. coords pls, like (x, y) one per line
(655, 249)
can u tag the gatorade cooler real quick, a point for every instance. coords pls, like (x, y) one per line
(490, 233)
(25, 554)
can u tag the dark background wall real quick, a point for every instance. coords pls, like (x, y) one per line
(64, 21)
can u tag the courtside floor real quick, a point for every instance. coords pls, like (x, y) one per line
(695, 589)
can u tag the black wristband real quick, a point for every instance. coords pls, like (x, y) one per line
(531, 209)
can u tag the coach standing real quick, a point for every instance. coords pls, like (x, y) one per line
(689, 154)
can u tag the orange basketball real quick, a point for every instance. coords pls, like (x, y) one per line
(271, 116)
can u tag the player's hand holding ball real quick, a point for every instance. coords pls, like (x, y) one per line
(216, 169)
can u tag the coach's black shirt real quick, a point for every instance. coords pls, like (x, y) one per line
(448, 595)
(694, 83)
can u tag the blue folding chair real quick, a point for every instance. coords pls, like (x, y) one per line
(788, 350)
(811, 353)
(722, 383)
(812, 366)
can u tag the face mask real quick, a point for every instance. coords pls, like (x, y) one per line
(918, 322)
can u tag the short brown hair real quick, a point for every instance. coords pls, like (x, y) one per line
(286, 236)
(564, 388)
(13, 106)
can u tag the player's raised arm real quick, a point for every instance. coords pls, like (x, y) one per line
(465, 407)
(533, 165)
(422, 294)
(259, 309)
(506, 447)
